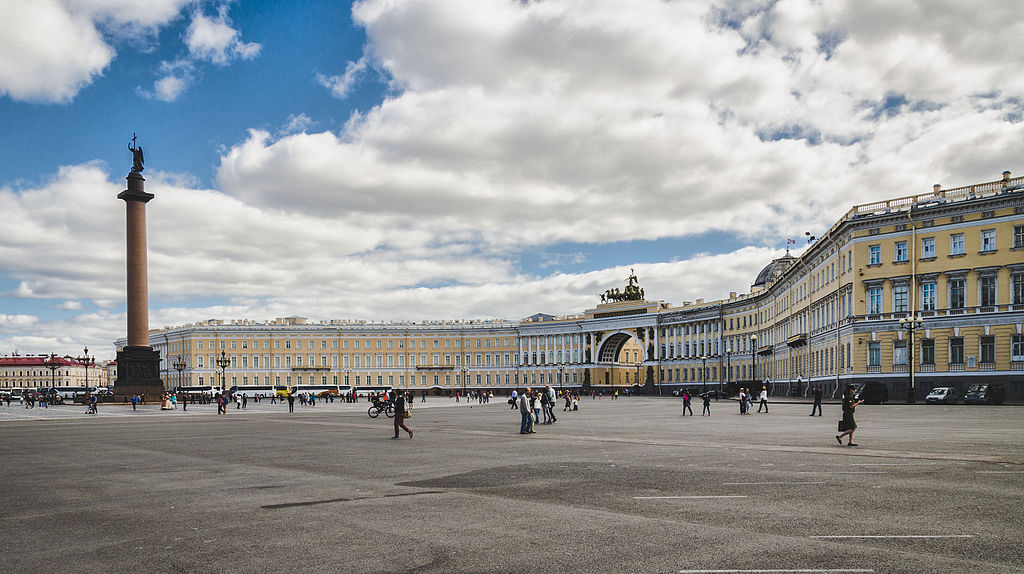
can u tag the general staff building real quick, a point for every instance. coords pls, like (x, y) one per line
(915, 292)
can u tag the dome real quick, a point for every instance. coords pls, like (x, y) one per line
(771, 272)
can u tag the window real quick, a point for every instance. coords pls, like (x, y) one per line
(1017, 284)
(988, 349)
(988, 240)
(928, 297)
(899, 353)
(957, 295)
(956, 350)
(901, 251)
(874, 354)
(875, 255)
(1017, 348)
(987, 291)
(874, 300)
(1018, 236)
(927, 351)
(956, 244)
(900, 298)
(928, 248)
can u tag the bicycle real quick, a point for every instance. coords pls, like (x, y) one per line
(380, 407)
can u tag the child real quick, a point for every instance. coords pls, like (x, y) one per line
(707, 405)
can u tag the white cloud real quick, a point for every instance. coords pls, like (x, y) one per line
(534, 123)
(70, 306)
(214, 40)
(340, 86)
(17, 321)
(297, 124)
(51, 49)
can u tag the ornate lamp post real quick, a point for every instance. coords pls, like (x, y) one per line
(753, 355)
(637, 364)
(86, 361)
(222, 364)
(53, 363)
(179, 365)
(704, 371)
(911, 324)
(561, 377)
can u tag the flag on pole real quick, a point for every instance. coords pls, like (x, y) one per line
(790, 242)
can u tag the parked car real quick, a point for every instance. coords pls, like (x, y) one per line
(985, 394)
(943, 395)
(714, 394)
(871, 393)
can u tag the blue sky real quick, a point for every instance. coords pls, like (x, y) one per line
(425, 159)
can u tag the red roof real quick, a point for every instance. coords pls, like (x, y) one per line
(35, 361)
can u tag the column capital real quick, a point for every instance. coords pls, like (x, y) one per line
(136, 189)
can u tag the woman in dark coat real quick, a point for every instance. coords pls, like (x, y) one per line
(848, 424)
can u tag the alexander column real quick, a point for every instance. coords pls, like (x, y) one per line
(138, 364)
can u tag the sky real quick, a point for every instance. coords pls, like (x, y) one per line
(466, 159)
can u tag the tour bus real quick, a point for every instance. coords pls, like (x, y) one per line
(208, 390)
(253, 390)
(321, 390)
(367, 391)
(69, 393)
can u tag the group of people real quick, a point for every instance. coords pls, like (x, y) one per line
(532, 403)
(688, 398)
(747, 400)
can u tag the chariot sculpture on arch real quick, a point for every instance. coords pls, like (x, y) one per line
(632, 292)
(137, 158)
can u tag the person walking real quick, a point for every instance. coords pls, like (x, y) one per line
(515, 399)
(847, 425)
(291, 402)
(764, 400)
(135, 401)
(817, 401)
(534, 404)
(686, 403)
(743, 401)
(552, 399)
(707, 405)
(544, 407)
(183, 399)
(526, 425)
(400, 413)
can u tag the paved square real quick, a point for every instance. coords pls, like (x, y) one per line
(619, 486)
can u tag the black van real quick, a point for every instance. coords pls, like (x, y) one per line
(871, 393)
(985, 394)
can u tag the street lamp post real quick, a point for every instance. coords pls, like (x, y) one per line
(561, 377)
(86, 361)
(911, 324)
(637, 365)
(53, 364)
(179, 365)
(222, 364)
(753, 355)
(704, 372)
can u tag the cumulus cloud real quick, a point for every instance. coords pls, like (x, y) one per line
(214, 40)
(51, 49)
(534, 123)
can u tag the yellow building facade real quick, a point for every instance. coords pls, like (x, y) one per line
(949, 263)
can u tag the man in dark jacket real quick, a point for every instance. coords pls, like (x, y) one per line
(817, 401)
(400, 414)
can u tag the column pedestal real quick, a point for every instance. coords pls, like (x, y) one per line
(138, 373)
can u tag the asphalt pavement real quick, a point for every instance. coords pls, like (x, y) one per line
(625, 485)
